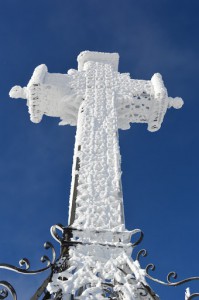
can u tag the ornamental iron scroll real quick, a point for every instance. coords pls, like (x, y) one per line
(170, 276)
(24, 262)
(24, 268)
(7, 289)
(61, 264)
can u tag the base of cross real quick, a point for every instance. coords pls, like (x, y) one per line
(95, 265)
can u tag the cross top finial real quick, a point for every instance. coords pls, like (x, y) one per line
(101, 57)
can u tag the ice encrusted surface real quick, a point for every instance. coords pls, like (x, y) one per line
(99, 100)
(99, 266)
(102, 57)
(60, 95)
(96, 268)
(99, 196)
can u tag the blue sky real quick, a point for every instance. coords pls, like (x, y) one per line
(160, 170)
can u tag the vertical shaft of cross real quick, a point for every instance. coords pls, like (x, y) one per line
(96, 196)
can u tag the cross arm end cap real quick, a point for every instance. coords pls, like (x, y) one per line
(176, 102)
(18, 92)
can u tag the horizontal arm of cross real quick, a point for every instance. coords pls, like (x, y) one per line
(143, 101)
(55, 95)
(60, 95)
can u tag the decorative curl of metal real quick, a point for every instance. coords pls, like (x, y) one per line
(193, 296)
(55, 235)
(170, 276)
(69, 231)
(110, 292)
(25, 264)
(7, 289)
(62, 235)
(143, 292)
(142, 253)
(140, 238)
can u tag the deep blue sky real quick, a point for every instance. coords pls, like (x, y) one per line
(160, 170)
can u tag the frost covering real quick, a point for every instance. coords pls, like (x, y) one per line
(98, 100)
(60, 95)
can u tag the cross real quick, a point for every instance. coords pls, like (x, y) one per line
(98, 100)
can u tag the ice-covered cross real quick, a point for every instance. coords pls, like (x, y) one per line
(98, 100)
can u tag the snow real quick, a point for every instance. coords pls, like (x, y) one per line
(187, 293)
(60, 95)
(99, 195)
(98, 100)
(101, 57)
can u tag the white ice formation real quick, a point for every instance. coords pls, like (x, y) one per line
(99, 101)
(60, 95)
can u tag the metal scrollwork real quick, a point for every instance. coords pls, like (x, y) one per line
(140, 237)
(108, 289)
(193, 296)
(170, 276)
(7, 289)
(142, 253)
(142, 292)
(24, 267)
(25, 264)
(48, 245)
(54, 233)
(62, 236)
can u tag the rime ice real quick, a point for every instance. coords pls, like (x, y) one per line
(98, 100)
